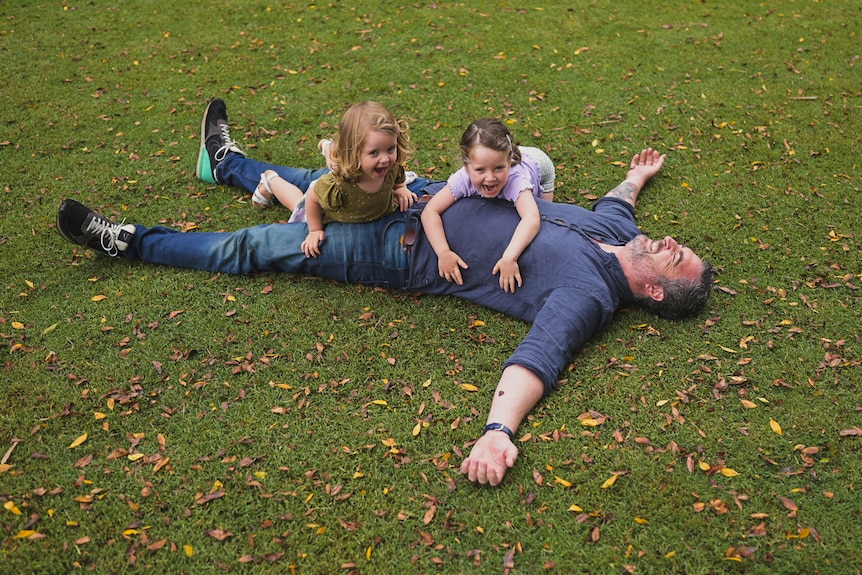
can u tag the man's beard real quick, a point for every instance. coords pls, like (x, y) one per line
(641, 259)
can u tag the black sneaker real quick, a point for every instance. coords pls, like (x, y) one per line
(215, 141)
(80, 225)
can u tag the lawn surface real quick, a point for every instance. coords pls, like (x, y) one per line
(170, 421)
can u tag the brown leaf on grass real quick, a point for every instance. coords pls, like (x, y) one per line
(84, 461)
(209, 497)
(157, 545)
(429, 515)
(219, 534)
(273, 557)
(348, 525)
(718, 506)
(538, 478)
(853, 431)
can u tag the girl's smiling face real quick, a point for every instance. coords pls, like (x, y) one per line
(379, 154)
(488, 170)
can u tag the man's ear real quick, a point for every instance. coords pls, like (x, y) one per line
(654, 291)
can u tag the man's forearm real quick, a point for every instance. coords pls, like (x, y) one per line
(626, 191)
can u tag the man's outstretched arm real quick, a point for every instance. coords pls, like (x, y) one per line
(644, 166)
(518, 391)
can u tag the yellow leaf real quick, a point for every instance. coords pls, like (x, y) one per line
(748, 404)
(660, 402)
(17, 325)
(81, 439)
(260, 474)
(49, 329)
(426, 383)
(99, 297)
(99, 415)
(728, 472)
(704, 466)
(609, 481)
(469, 387)
(11, 507)
(416, 429)
(24, 533)
(135, 456)
(641, 521)
(776, 427)
(575, 509)
(590, 422)
(562, 481)
(189, 550)
(379, 402)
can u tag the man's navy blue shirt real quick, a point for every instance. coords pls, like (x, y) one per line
(571, 287)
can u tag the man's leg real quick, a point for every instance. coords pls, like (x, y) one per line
(370, 254)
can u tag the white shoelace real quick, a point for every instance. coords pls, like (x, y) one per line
(229, 145)
(108, 233)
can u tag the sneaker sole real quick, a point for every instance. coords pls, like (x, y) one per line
(60, 212)
(203, 169)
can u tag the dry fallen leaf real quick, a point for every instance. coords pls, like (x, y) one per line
(78, 441)
(610, 481)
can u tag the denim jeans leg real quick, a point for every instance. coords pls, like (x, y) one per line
(370, 254)
(244, 173)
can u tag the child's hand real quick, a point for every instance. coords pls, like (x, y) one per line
(405, 197)
(450, 265)
(510, 274)
(311, 245)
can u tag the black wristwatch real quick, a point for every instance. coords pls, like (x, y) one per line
(499, 427)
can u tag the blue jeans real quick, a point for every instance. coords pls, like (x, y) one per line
(244, 173)
(372, 253)
(241, 172)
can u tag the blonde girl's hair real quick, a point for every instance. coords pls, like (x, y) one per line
(357, 122)
(491, 134)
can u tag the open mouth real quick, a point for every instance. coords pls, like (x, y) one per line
(490, 191)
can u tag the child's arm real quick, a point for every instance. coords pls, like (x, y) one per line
(314, 218)
(510, 273)
(449, 263)
(405, 197)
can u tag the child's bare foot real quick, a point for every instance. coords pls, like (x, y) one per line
(263, 194)
(324, 146)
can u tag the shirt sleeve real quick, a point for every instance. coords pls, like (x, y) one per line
(329, 193)
(460, 184)
(519, 181)
(568, 318)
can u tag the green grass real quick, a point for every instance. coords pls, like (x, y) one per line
(329, 420)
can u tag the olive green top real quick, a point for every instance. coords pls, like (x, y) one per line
(346, 202)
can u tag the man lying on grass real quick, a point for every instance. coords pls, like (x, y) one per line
(581, 266)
